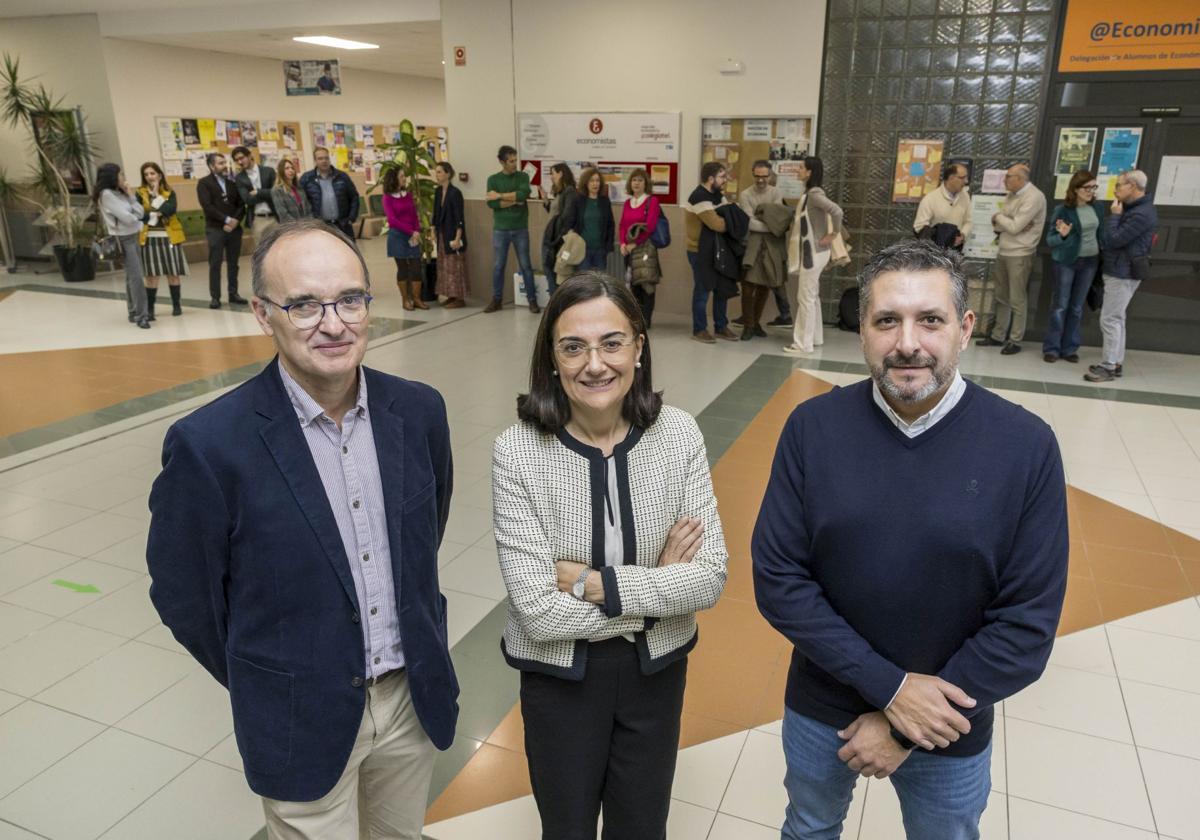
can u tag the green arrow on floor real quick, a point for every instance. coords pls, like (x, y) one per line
(85, 588)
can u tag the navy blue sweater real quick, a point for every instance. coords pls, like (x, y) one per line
(944, 554)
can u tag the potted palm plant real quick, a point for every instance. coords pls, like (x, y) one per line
(63, 154)
(411, 156)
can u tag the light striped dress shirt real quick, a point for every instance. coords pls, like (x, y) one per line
(349, 469)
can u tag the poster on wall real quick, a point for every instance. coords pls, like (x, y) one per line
(1118, 153)
(1076, 147)
(1178, 181)
(191, 134)
(983, 244)
(918, 164)
(170, 138)
(739, 141)
(312, 78)
(615, 140)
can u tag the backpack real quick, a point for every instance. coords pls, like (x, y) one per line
(660, 237)
(848, 310)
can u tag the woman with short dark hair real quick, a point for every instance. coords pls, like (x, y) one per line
(449, 220)
(123, 217)
(609, 543)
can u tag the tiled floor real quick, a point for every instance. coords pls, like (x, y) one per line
(107, 729)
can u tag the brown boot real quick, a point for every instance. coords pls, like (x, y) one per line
(405, 296)
(415, 294)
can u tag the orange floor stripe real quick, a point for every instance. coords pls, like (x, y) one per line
(49, 386)
(1121, 563)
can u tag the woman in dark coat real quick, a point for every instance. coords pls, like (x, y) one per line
(594, 220)
(450, 224)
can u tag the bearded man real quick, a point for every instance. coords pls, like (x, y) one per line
(912, 546)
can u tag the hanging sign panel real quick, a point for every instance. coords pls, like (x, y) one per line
(615, 142)
(1109, 36)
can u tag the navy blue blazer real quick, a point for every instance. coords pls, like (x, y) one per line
(249, 573)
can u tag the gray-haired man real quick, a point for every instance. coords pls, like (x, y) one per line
(1128, 237)
(1020, 226)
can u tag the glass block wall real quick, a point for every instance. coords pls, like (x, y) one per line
(968, 72)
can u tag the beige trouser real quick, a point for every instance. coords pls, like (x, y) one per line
(382, 792)
(1012, 283)
(808, 329)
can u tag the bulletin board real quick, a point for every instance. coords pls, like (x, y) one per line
(918, 169)
(615, 143)
(739, 141)
(355, 146)
(184, 141)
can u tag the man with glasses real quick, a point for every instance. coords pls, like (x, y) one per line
(768, 243)
(293, 552)
(949, 206)
(1129, 231)
(1020, 225)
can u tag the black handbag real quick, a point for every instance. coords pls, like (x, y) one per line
(1095, 293)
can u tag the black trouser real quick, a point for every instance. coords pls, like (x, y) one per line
(645, 300)
(610, 739)
(227, 244)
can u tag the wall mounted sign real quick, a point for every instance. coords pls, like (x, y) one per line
(1076, 147)
(918, 169)
(312, 78)
(1109, 36)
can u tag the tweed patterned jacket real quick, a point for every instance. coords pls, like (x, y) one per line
(548, 505)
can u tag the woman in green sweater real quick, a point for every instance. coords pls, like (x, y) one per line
(1075, 237)
(594, 220)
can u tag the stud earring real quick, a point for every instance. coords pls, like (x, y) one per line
(556, 373)
(639, 364)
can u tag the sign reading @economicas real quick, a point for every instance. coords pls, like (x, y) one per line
(1107, 36)
(613, 142)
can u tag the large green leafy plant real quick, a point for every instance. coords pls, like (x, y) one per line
(412, 157)
(60, 144)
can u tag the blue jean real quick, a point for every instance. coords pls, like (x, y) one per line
(1071, 284)
(594, 259)
(941, 798)
(700, 301)
(501, 239)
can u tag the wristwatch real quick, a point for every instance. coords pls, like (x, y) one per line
(899, 738)
(578, 589)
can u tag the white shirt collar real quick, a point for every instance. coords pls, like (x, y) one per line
(1027, 185)
(925, 421)
(952, 197)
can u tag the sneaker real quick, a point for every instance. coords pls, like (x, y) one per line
(1115, 371)
(704, 337)
(1010, 348)
(780, 321)
(495, 306)
(1050, 357)
(1099, 373)
(796, 350)
(727, 334)
(534, 308)
(1073, 358)
(989, 342)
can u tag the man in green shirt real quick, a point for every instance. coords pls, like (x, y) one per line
(507, 192)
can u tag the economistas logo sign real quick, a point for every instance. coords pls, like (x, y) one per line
(1115, 35)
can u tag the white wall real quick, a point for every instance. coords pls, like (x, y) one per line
(148, 80)
(666, 58)
(65, 54)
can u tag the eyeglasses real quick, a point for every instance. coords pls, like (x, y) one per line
(1090, 187)
(577, 351)
(352, 309)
